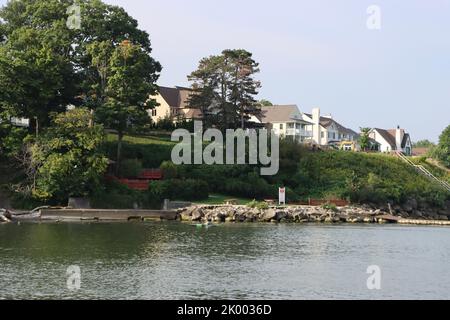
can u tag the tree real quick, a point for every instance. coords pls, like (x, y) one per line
(45, 66)
(64, 160)
(224, 89)
(364, 139)
(442, 151)
(36, 73)
(132, 78)
(265, 103)
(423, 144)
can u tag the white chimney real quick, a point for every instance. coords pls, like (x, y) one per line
(316, 126)
(399, 138)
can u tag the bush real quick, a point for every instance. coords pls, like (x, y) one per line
(130, 168)
(169, 170)
(258, 205)
(176, 189)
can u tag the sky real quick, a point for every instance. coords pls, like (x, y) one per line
(318, 54)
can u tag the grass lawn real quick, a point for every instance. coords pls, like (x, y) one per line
(220, 199)
(154, 139)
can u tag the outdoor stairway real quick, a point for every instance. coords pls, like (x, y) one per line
(424, 171)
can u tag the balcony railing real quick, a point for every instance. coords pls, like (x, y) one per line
(298, 132)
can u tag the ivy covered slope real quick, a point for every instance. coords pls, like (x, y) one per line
(359, 177)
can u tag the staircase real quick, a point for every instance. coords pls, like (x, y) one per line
(424, 171)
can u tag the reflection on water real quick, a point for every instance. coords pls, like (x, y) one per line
(242, 261)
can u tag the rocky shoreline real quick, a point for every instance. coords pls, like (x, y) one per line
(307, 214)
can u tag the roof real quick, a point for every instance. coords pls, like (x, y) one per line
(420, 151)
(386, 135)
(175, 97)
(193, 114)
(281, 113)
(327, 122)
(390, 136)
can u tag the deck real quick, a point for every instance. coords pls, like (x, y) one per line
(106, 215)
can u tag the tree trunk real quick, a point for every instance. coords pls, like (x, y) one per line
(119, 151)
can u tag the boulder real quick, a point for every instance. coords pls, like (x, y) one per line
(268, 215)
(197, 214)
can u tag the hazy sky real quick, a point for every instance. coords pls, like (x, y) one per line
(319, 54)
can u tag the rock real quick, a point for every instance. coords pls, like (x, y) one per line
(280, 215)
(369, 220)
(4, 219)
(268, 215)
(197, 214)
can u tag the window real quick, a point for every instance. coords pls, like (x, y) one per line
(334, 135)
(154, 113)
(322, 135)
(281, 126)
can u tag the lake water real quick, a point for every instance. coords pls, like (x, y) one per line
(233, 261)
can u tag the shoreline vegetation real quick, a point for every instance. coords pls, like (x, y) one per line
(85, 130)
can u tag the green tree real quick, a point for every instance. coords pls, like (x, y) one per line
(66, 158)
(442, 151)
(265, 103)
(132, 78)
(37, 76)
(364, 139)
(423, 144)
(45, 66)
(224, 88)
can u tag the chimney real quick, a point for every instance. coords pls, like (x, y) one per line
(316, 126)
(399, 138)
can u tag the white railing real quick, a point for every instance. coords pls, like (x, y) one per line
(424, 171)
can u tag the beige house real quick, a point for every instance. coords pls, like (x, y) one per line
(173, 105)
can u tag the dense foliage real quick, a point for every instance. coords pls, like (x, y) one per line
(65, 157)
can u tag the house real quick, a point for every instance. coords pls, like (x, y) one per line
(326, 131)
(286, 121)
(173, 105)
(19, 122)
(392, 140)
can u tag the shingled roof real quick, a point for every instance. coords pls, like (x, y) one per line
(390, 136)
(175, 97)
(327, 122)
(281, 113)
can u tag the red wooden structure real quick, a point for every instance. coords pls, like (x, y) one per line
(140, 183)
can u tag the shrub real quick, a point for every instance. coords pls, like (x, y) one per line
(262, 205)
(169, 170)
(176, 189)
(130, 168)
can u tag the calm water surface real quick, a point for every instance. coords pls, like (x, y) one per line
(242, 261)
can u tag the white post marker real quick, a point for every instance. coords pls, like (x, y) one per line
(282, 196)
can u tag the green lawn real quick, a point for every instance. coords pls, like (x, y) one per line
(153, 139)
(220, 199)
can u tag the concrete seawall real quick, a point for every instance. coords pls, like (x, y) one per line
(106, 215)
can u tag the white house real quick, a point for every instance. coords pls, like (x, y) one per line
(327, 131)
(286, 121)
(392, 140)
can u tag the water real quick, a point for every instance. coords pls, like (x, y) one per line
(242, 261)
